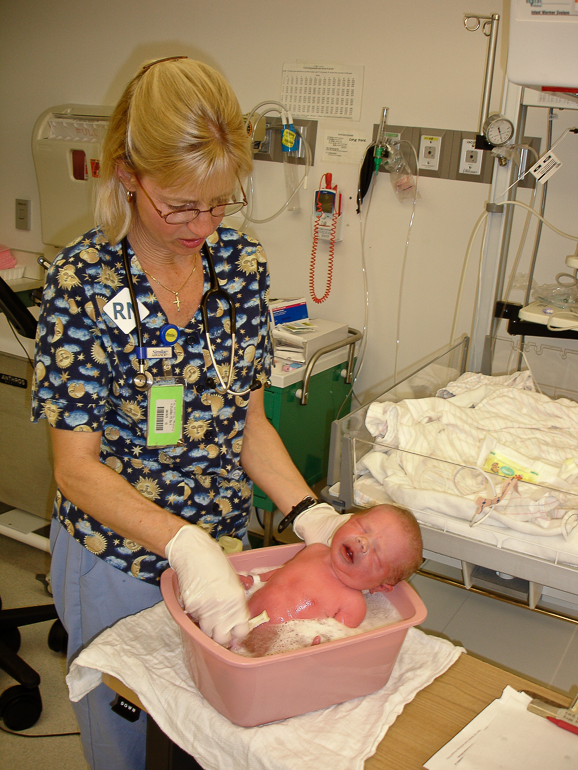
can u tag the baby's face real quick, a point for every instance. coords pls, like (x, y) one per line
(364, 548)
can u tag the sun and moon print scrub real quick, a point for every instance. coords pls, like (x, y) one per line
(84, 380)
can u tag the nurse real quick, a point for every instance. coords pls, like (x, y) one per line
(153, 463)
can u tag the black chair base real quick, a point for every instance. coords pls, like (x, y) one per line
(21, 705)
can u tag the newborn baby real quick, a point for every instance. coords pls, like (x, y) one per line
(372, 551)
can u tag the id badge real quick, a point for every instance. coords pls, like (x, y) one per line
(165, 412)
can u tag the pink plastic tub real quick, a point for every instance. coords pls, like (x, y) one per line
(254, 691)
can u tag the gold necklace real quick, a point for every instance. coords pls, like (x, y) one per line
(176, 301)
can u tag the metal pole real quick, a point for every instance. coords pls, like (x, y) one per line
(494, 24)
(472, 23)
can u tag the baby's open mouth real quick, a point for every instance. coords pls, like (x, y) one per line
(348, 553)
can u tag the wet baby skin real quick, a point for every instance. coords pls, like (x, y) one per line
(370, 552)
(327, 582)
(288, 595)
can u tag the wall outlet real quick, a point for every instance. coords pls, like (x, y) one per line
(22, 214)
(470, 158)
(430, 152)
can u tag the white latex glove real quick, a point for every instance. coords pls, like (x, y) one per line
(319, 523)
(210, 589)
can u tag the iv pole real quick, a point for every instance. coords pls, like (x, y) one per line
(490, 30)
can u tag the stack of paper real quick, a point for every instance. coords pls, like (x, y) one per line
(299, 341)
(507, 736)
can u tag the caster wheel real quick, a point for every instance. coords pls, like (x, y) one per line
(20, 707)
(11, 638)
(57, 637)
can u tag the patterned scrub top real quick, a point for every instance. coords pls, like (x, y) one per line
(83, 380)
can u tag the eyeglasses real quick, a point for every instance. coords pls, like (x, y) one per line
(188, 213)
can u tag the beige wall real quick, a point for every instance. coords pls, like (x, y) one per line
(419, 61)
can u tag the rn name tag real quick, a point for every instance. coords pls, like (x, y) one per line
(120, 311)
(154, 352)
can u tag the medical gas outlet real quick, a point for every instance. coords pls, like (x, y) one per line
(429, 152)
(470, 158)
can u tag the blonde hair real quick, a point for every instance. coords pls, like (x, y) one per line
(411, 528)
(412, 557)
(178, 121)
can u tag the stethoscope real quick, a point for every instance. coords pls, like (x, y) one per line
(143, 380)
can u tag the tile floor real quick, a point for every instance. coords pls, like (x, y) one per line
(19, 565)
(541, 648)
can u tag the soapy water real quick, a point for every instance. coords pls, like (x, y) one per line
(295, 634)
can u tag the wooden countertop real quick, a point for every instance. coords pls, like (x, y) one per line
(441, 710)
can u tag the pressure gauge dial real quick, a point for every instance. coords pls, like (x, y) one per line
(497, 129)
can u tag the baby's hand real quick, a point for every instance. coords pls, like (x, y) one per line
(247, 581)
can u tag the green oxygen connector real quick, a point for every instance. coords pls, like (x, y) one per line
(377, 155)
(380, 144)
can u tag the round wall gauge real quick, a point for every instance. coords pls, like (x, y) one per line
(497, 129)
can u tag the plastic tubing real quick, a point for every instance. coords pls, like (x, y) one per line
(524, 231)
(302, 183)
(477, 226)
(481, 219)
(404, 261)
(470, 246)
(541, 218)
(281, 109)
(362, 231)
(363, 345)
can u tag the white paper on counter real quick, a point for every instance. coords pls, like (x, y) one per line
(506, 736)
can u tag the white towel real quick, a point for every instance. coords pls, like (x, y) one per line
(144, 652)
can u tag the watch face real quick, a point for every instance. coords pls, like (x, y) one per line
(498, 131)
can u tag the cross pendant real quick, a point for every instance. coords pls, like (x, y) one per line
(177, 302)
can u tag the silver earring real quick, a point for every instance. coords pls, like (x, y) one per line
(130, 195)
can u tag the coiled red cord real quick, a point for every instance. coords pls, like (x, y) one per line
(314, 297)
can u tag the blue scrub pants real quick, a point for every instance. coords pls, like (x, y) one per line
(90, 596)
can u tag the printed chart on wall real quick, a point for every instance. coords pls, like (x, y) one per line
(314, 91)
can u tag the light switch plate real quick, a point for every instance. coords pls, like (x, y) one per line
(22, 214)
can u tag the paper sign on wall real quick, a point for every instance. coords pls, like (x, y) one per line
(314, 91)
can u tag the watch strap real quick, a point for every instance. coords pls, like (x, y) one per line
(307, 502)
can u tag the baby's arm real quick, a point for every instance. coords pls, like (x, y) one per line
(352, 610)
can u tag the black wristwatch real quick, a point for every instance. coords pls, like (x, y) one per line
(307, 502)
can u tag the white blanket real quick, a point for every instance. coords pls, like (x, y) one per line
(441, 439)
(144, 652)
